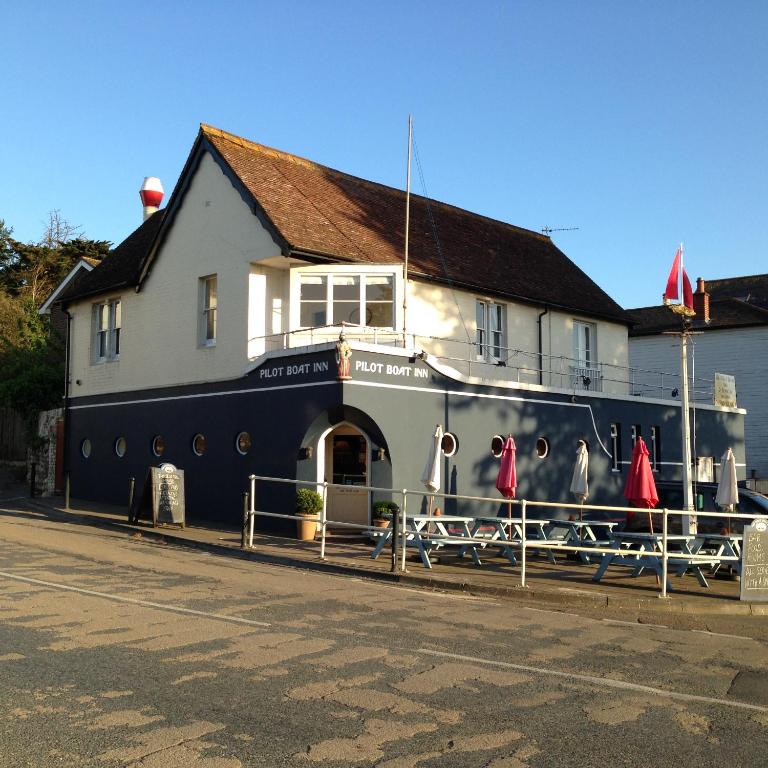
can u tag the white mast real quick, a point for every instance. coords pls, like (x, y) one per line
(688, 521)
(407, 227)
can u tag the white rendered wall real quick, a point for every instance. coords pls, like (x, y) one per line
(214, 232)
(742, 353)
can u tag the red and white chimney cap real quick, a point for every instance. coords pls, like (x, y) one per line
(151, 194)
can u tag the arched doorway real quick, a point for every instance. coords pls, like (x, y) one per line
(345, 454)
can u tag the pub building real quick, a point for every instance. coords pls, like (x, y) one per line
(264, 322)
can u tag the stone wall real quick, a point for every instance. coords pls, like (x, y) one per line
(43, 455)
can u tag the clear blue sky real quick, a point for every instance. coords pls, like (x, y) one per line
(641, 123)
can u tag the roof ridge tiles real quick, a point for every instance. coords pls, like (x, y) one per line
(271, 152)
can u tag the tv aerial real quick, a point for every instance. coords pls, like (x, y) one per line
(548, 230)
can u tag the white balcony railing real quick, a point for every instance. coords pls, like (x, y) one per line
(513, 365)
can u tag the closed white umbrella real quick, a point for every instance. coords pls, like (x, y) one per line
(727, 495)
(580, 478)
(430, 477)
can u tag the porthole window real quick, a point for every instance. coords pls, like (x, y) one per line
(85, 448)
(121, 446)
(198, 445)
(158, 445)
(243, 443)
(449, 444)
(497, 445)
(542, 447)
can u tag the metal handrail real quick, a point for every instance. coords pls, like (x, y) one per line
(639, 382)
(524, 543)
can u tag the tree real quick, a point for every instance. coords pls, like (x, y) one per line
(31, 358)
(31, 368)
(31, 271)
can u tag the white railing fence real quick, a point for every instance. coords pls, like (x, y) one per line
(506, 364)
(402, 534)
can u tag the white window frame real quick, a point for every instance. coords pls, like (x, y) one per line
(655, 448)
(615, 447)
(208, 309)
(106, 322)
(491, 330)
(585, 344)
(345, 271)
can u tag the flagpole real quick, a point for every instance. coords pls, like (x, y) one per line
(689, 520)
(407, 227)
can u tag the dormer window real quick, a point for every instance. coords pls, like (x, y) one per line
(107, 323)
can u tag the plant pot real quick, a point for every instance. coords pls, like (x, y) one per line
(380, 522)
(306, 527)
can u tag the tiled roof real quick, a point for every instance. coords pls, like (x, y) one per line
(322, 211)
(315, 211)
(122, 266)
(723, 313)
(752, 289)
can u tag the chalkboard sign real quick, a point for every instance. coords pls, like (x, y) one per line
(162, 497)
(754, 561)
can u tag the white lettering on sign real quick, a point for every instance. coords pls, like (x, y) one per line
(292, 369)
(362, 365)
(391, 369)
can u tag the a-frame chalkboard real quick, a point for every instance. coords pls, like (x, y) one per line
(162, 498)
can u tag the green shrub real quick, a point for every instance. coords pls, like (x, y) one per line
(308, 502)
(383, 510)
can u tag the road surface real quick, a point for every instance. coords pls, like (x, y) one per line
(115, 651)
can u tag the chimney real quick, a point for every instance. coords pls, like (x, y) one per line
(701, 300)
(151, 194)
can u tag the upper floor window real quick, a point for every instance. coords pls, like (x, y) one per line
(107, 322)
(490, 330)
(208, 310)
(356, 299)
(585, 344)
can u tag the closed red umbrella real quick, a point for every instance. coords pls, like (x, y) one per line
(640, 489)
(506, 480)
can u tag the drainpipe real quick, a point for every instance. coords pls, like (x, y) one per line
(541, 345)
(67, 349)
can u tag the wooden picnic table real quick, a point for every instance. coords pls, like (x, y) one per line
(428, 532)
(641, 551)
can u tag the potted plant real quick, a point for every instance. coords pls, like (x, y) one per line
(309, 505)
(382, 513)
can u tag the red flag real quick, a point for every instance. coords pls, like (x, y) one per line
(687, 292)
(672, 289)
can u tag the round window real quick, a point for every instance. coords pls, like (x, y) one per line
(542, 447)
(449, 444)
(243, 443)
(198, 444)
(85, 448)
(497, 445)
(158, 445)
(121, 446)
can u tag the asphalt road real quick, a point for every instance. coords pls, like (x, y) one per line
(118, 652)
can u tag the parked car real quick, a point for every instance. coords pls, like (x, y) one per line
(671, 497)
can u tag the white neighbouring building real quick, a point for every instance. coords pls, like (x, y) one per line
(731, 326)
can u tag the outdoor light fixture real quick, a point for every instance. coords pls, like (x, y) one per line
(306, 452)
(587, 381)
(380, 454)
